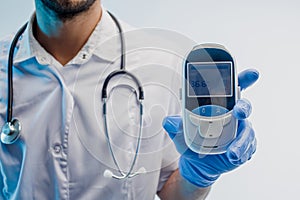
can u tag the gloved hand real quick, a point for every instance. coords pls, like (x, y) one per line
(204, 170)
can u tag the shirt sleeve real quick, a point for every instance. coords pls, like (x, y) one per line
(169, 163)
(170, 154)
(4, 48)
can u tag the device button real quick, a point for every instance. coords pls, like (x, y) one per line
(195, 120)
(211, 129)
(227, 119)
(203, 111)
(57, 148)
(210, 110)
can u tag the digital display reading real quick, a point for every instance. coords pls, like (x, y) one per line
(210, 79)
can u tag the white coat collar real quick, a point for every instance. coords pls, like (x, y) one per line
(104, 42)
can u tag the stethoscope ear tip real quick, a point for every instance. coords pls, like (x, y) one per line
(10, 131)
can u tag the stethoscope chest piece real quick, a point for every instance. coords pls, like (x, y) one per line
(10, 131)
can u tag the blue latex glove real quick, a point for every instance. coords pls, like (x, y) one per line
(204, 170)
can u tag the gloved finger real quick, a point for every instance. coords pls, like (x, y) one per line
(248, 154)
(247, 77)
(173, 125)
(239, 147)
(242, 109)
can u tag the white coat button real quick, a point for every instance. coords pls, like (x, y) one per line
(57, 148)
(43, 60)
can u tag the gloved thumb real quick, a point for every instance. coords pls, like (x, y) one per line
(247, 78)
(173, 126)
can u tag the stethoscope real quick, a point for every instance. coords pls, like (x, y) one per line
(12, 128)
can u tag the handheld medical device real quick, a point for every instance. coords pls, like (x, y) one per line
(209, 93)
(12, 128)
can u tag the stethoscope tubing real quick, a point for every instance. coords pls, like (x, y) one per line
(10, 86)
(11, 130)
(129, 173)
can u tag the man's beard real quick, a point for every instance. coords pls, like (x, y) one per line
(66, 9)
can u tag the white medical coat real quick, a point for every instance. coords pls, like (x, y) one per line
(62, 152)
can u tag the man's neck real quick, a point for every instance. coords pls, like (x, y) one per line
(63, 39)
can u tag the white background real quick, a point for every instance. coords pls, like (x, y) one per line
(260, 34)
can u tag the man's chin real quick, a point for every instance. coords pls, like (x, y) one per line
(67, 9)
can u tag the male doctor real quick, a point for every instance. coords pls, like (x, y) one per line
(61, 154)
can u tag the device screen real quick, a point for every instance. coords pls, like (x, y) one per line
(210, 79)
